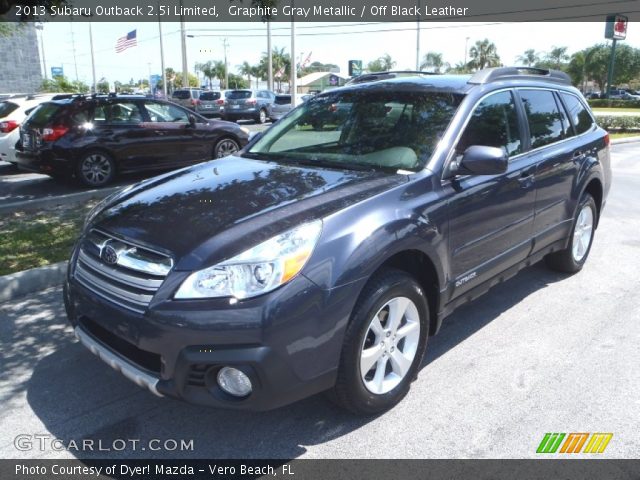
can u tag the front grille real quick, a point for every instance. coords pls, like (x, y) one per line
(130, 280)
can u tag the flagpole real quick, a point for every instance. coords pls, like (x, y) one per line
(93, 61)
(164, 73)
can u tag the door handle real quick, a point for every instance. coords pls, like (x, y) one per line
(159, 132)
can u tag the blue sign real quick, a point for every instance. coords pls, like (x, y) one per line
(57, 72)
(154, 80)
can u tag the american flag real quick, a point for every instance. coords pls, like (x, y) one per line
(129, 40)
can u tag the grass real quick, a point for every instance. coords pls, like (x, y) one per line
(35, 239)
(615, 110)
(613, 136)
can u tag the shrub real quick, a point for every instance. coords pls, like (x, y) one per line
(619, 123)
(607, 103)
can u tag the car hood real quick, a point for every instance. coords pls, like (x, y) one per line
(214, 210)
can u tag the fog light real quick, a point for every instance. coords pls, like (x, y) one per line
(234, 382)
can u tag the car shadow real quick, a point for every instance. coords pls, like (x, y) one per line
(76, 396)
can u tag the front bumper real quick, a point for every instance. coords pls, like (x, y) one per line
(288, 342)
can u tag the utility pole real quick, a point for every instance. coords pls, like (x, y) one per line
(466, 43)
(183, 37)
(225, 44)
(164, 73)
(270, 58)
(294, 71)
(94, 87)
(73, 48)
(418, 39)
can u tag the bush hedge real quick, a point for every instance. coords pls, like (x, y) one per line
(606, 103)
(619, 123)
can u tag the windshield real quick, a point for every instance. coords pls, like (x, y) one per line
(366, 128)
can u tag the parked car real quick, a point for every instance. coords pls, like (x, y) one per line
(12, 112)
(187, 97)
(211, 103)
(282, 105)
(254, 105)
(96, 138)
(629, 96)
(323, 260)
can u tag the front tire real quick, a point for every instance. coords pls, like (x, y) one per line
(96, 169)
(573, 258)
(384, 344)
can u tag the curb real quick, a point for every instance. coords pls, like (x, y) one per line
(30, 281)
(620, 141)
(57, 200)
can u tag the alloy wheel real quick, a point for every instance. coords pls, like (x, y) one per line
(582, 233)
(390, 345)
(96, 169)
(226, 147)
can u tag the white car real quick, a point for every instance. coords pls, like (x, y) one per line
(12, 112)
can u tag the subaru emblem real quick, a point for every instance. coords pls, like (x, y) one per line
(109, 255)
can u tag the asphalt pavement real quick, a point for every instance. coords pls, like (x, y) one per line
(543, 352)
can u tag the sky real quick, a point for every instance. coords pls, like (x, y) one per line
(335, 43)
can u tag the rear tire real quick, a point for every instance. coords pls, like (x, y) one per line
(225, 146)
(573, 258)
(387, 337)
(96, 169)
(262, 116)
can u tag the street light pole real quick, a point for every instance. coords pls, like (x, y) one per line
(418, 39)
(225, 44)
(294, 73)
(164, 73)
(466, 43)
(40, 26)
(269, 58)
(183, 37)
(93, 61)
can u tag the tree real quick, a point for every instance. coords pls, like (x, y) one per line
(246, 69)
(319, 67)
(210, 70)
(556, 57)
(459, 68)
(281, 62)
(381, 64)
(193, 80)
(62, 84)
(529, 57)
(484, 54)
(102, 86)
(236, 81)
(433, 61)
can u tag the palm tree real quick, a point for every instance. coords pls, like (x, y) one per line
(557, 56)
(246, 69)
(433, 61)
(381, 64)
(484, 54)
(281, 64)
(529, 57)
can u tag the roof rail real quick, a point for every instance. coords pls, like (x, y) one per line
(488, 75)
(374, 76)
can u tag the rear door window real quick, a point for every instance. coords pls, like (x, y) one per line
(44, 114)
(118, 113)
(544, 117)
(578, 113)
(181, 94)
(283, 99)
(494, 123)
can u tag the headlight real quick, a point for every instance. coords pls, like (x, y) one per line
(258, 270)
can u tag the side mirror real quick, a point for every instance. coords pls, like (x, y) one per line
(192, 120)
(483, 160)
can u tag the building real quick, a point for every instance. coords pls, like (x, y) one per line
(320, 81)
(20, 70)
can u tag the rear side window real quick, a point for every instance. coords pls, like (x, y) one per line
(181, 94)
(579, 115)
(544, 117)
(283, 99)
(239, 94)
(209, 96)
(6, 108)
(494, 123)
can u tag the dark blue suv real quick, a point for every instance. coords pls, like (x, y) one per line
(325, 253)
